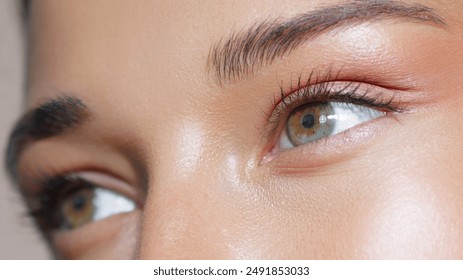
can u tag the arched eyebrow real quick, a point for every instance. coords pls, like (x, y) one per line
(241, 54)
(53, 118)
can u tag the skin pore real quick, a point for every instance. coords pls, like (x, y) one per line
(182, 111)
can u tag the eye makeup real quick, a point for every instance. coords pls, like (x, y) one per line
(331, 88)
(355, 102)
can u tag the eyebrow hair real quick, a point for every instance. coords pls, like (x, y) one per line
(50, 119)
(241, 54)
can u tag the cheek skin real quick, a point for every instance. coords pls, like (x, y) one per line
(416, 208)
(401, 198)
(406, 222)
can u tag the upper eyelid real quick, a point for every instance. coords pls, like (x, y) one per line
(336, 91)
(49, 184)
(98, 153)
(118, 185)
(390, 101)
(103, 180)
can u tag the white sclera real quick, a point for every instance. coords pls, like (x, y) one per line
(344, 116)
(108, 203)
(348, 115)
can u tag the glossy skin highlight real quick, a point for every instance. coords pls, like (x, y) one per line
(190, 151)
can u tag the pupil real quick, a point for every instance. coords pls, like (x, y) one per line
(308, 121)
(79, 202)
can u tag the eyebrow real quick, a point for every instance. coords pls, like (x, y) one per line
(53, 118)
(241, 54)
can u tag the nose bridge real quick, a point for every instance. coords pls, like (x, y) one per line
(183, 209)
(178, 219)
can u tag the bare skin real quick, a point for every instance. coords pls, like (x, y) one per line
(196, 151)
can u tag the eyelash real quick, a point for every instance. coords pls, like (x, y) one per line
(43, 204)
(320, 88)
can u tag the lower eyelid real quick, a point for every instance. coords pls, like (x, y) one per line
(331, 150)
(73, 244)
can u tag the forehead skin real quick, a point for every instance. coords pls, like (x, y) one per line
(159, 118)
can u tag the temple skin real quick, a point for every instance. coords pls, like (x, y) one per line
(191, 140)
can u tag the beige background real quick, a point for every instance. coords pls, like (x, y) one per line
(18, 237)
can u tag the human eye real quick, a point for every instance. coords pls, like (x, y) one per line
(71, 201)
(314, 121)
(327, 107)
